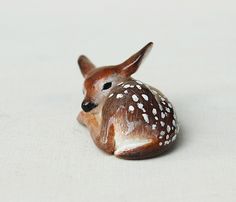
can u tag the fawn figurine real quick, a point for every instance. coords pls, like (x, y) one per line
(126, 117)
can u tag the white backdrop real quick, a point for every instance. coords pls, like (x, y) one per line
(46, 156)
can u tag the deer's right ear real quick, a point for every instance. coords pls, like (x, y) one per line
(85, 65)
(130, 66)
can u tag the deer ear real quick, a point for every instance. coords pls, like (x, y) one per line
(85, 65)
(130, 66)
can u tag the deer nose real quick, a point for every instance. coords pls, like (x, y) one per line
(88, 106)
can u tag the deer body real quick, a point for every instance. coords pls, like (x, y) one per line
(126, 117)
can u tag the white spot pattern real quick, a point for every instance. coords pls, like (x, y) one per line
(119, 96)
(140, 106)
(168, 109)
(174, 116)
(174, 138)
(135, 98)
(154, 126)
(126, 86)
(162, 133)
(167, 142)
(173, 122)
(168, 128)
(145, 117)
(159, 109)
(131, 108)
(154, 111)
(145, 97)
(111, 95)
(162, 115)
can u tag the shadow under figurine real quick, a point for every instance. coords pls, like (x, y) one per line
(126, 117)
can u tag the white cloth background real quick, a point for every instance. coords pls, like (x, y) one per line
(46, 156)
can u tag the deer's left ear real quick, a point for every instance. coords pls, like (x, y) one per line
(85, 65)
(130, 66)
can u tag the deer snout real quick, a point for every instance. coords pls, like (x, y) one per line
(88, 106)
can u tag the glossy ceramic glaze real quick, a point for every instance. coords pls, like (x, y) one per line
(126, 117)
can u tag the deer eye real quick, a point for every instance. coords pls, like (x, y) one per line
(107, 85)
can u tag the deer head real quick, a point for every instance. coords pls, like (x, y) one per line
(100, 81)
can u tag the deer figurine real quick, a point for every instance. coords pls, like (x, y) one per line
(126, 117)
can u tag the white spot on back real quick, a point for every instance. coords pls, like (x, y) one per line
(140, 106)
(154, 111)
(169, 105)
(156, 117)
(139, 87)
(162, 115)
(154, 126)
(163, 99)
(167, 142)
(168, 128)
(145, 117)
(119, 96)
(162, 133)
(131, 108)
(145, 97)
(125, 91)
(160, 143)
(168, 109)
(167, 137)
(160, 107)
(174, 116)
(173, 122)
(126, 86)
(135, 98)
(110, 95)
(173, 138)
(162, 123)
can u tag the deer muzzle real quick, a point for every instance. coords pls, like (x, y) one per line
(88, 106)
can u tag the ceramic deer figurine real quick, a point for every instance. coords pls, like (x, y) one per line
(126, 117)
